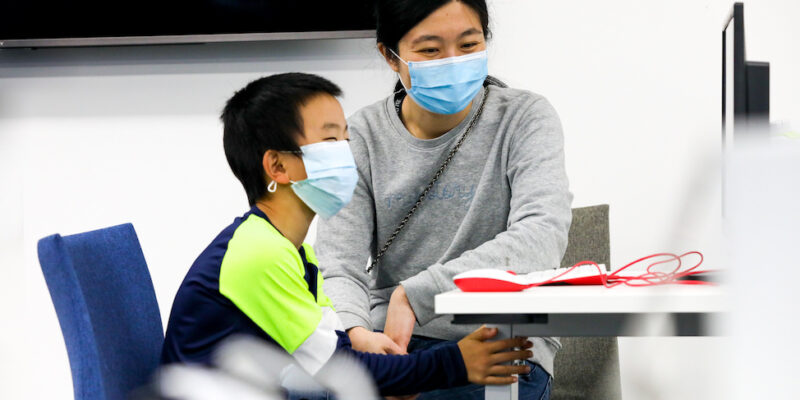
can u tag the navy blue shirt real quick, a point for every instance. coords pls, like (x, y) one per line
(203, 315)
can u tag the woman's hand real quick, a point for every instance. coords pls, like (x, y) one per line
(376, 342)
(400, 318)
(372, 342)
(483, 359)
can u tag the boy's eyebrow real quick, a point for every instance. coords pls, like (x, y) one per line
(333, 125)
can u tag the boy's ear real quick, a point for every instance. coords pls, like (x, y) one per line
(274, 167)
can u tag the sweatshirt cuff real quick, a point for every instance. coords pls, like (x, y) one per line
(351, 320)
(420, 290)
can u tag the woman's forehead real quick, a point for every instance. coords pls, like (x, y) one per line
(450, 22)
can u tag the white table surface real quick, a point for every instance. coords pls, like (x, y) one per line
(594, 299)
(583, 311)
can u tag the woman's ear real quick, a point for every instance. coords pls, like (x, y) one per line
(274, 167)
(390, 58)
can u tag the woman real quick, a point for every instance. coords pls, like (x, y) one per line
(501, 201)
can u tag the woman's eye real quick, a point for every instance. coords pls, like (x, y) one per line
(429, 51)
(469, 45)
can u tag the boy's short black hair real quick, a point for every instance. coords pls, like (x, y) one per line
(265, 115)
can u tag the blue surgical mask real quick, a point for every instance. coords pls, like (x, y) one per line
(332, 177)
(447, 85)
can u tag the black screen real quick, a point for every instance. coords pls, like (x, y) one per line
(56, 19)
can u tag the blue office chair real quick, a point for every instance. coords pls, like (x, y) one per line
(107, 310)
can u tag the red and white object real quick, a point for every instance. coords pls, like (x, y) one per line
(495, 280)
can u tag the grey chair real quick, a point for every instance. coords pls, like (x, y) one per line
(587, 367)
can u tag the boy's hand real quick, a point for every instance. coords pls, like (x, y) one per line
(483, 358)
(372, 342)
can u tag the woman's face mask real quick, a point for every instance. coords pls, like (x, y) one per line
(332, 177)
(446, 85)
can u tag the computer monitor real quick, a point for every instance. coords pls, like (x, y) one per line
(745, 84)
(745, 91)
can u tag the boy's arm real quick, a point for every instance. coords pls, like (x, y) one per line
(266, 283)
(472, 359)
(394, 375)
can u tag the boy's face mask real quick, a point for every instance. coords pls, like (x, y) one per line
(332, 177)
(446, 85)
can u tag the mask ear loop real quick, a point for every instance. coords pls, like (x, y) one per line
(273, 186)
(398, 57)
(398, 74)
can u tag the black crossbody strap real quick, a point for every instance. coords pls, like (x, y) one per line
(428, 188)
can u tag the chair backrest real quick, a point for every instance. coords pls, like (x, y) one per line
(107, 309)
(587, 367)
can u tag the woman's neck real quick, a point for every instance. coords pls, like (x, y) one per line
(290, 216)
(424, 124)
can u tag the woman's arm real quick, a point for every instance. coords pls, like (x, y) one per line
(343, 245)
(538, 221)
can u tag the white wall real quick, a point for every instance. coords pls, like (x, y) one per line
(96, 137)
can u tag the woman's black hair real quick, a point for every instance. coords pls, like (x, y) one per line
(265, 115)
(394, 18)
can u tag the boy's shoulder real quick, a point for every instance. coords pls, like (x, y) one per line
(256, 247)
(248, 249)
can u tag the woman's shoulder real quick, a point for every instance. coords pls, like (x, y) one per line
(526, 113)
(515, 100)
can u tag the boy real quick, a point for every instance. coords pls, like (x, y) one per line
(285, 138)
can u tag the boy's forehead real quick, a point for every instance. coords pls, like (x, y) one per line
(322, 112)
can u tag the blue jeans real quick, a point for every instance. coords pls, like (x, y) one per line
(309, 396)
(534, 385)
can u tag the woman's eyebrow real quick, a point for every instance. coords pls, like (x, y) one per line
(470, 31)
(425, 38)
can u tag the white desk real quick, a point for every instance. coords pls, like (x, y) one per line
(583, 311)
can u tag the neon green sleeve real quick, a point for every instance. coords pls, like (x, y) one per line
(262, 274)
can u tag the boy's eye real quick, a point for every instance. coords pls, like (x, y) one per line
(429, 51)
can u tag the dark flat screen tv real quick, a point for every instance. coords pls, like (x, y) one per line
(57, 23)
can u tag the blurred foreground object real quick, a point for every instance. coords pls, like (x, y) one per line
(250, 368)
(761, 229)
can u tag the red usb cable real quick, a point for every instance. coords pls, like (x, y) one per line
(650, 277)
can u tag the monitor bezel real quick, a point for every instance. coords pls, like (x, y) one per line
(183, 39)
(739, 70)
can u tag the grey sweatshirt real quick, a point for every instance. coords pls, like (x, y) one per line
(503, 202)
